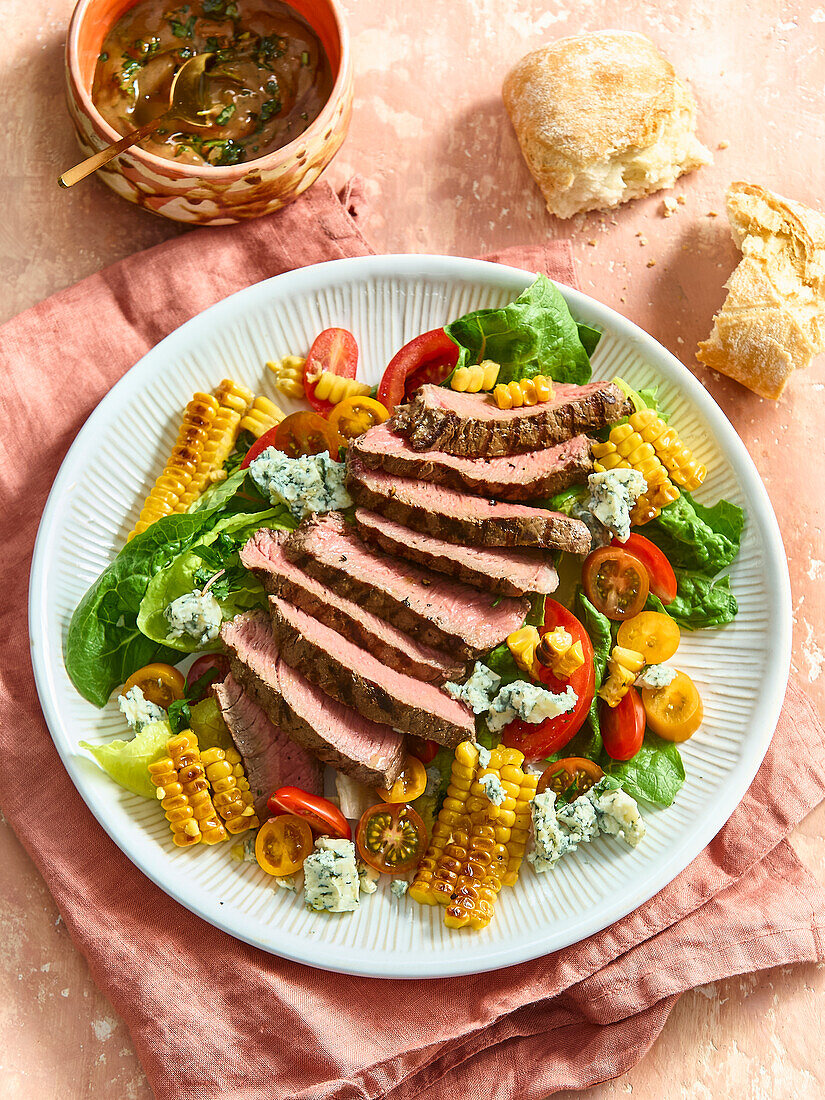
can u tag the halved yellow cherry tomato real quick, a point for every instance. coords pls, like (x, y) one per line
(161, 684)
(674, 712)
(282, 844)
(355, 415)
(409, 785)
(654, 635)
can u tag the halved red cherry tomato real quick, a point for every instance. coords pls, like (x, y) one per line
(615, 582)
(259, 446)
(573, 771)
(538, 741)
(215, 663)
(334, 350)
(623, 727)
(659, 570)
(674, 712)
(161, 684)
(320, 814)
(355, 415)
(409, 785)
(391, 838)
(428, 358)
(424, 749)
(282, 844)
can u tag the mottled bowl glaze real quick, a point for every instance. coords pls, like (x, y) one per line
(193, 193)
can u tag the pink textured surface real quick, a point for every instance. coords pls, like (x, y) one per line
(444, 174)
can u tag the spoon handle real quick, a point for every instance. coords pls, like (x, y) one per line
(91, 164)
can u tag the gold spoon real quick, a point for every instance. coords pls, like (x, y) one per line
(186, 101)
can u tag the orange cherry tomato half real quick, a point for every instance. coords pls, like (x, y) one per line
(321, 815)
(306, 433)
(336, 350)
(409, 785)
(615, 582)
(654, 635)
(573, 771)
(538, 741)
(660, 573)
(623, 727)
(355, 415)
(391, 838)
(161, 684)
(428, 358)
(674, 712)
(282, 844)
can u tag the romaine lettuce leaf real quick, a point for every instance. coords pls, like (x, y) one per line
(655, 774)
(702, 601)
(696, 538)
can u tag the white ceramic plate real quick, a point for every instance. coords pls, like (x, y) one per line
(741, 670)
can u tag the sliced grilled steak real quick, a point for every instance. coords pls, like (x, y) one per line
(509, 477)
(270, 758)
(356, 678)
(264, 555)
(369, 752)
(495, 569)
(472, 425)
(438, 611)
(460, 518)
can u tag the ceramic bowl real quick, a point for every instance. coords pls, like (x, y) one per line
(194, 193)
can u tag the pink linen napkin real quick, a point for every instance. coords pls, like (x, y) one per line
(211, 1017)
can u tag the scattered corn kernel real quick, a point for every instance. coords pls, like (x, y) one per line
(529, 391)
(334, 388)
(522, 644)
(476, 378)
(623, 667)
(559, 653)
(289, 375)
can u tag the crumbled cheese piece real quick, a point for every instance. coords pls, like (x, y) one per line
(244, 850)
(477, 691)
(617, 814)
(483, 757)
(138, 710)
(197, 614)
(309, 484)
(612, 495)
(399, 887)
(655, 676)
(529, 702)
(493, 789)
(367, 877)
(550, 842)
(580, 820)
(286, 882)
(331, 877)
(557, 830)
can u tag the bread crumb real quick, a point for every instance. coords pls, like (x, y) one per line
(642, 240)
(621, 299)
(669, 207)
(723, 144)
(592, 242)
(651, 263)
(712, 214)
(681, 200)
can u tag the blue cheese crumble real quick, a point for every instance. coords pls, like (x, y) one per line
(138, 710)
(197, 614)
(478, 690)
(309, 484)
(559, 829)
(617, 814)
(491, 785)
(399, 887)
(483, 757)
(612, 495)
(656, 676)
(331, 882)
(529, 702)
(367, 878)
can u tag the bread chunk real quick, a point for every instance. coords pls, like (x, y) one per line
(601, 119)
(773, 319)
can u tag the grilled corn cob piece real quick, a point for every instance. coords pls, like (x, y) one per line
(289, 375)
(623, 668)
(520, 832)
(474, 379)
(185, 755)
(523, 643)
(674, 455)
(529, 391)
(332, 387)
(179, 812)
(625, 448)
(557, 651)
(217, 449)
(262, 415)
(437, 872)
(227, 796)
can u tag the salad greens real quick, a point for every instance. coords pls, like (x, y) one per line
(536, 334)
(656, 773)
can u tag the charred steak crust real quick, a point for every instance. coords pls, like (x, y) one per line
(453, 560)
(428, 427)
(402, 499)
(349, 686)
(557, 467)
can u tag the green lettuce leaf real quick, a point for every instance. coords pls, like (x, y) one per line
(500, 660)
(219, 493)
(126, 761)
(702, 601)
(655, 774)
(696, 538)
(536, 334)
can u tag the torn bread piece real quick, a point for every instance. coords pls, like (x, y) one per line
(601, 119)
(773, 319)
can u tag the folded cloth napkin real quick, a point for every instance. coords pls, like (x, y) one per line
(211, 1017)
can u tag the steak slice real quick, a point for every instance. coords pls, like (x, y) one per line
(460, 518)
(495, 569)
(264, 555)
(270, 758)
(437, 610)
(473, 426)
(371, 753)
(509, 477)
(356, 678)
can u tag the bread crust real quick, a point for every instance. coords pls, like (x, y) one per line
(773, 319)
(583, 104)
